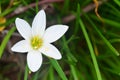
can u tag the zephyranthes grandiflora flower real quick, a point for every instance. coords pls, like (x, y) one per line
(37, 40)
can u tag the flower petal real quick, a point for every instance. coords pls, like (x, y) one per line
(34, 60)
(51, 51)
(39, 23)
(54, 32)
(23, 27)
(21, 46)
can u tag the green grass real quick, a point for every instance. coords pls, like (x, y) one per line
(90, 48)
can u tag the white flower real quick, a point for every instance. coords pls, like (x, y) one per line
(37, 40)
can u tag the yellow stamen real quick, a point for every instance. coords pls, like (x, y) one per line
(36, 42)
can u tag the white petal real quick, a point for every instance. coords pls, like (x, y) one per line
(34, 60)
(51, 51)
(21, 46)
(54, 32)
(39, 23)
(23, 27)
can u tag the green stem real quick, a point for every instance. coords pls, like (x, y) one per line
(103, 38)
(91, 50)
(51, 73)
(72, 67)
(5, 40)
(36, 6)
(58, 69)
(26, 73)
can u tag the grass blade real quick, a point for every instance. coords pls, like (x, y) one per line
(5, 40)
(90, 48)
(58, 69)
(70, 59)
(103, 38)
(117, 2)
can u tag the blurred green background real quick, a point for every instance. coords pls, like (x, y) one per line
(90, 48)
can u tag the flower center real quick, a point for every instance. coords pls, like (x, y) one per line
(36, 42)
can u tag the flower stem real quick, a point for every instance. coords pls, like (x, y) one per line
(26, 72)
